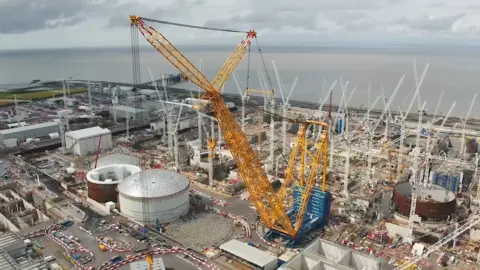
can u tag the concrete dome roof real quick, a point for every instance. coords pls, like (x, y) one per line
(158, 183)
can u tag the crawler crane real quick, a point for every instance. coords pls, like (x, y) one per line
(269, 204)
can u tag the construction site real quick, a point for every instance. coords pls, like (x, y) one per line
(151, 171)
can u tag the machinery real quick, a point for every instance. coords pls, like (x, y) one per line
(269, 204)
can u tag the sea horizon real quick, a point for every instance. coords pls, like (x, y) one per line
(452, 69)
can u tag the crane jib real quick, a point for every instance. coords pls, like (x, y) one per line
(269, 204)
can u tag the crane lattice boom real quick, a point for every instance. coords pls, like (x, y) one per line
(268, 204)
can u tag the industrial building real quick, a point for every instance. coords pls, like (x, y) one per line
(71, 102)
(133, 113)
(116, 159)
(102, 182)
(323, 254)
(86, 141)
(249, 255)
(15, 255)
(26, 132)
(166, 193)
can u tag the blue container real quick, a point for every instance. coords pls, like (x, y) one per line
(340, 126)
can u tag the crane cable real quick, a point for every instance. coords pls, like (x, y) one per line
(194, 26)
(269, 81)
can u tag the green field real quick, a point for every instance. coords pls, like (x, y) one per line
(5, 97)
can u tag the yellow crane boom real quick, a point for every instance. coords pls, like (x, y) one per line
(269, 205)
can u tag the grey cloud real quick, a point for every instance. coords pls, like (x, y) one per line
(436, 24)
(268, 20)
(177, 8)
(20, 16)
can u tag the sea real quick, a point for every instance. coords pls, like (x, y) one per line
(454, 70)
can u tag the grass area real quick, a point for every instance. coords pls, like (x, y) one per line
(29, 95)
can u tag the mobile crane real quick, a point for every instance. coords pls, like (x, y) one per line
(269, 204)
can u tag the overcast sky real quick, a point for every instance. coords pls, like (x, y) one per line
(93, 23)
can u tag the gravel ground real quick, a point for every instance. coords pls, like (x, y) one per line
(205, 230)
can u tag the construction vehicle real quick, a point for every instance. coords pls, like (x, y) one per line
(269, 205)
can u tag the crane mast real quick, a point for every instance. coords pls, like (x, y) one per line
(268, 203)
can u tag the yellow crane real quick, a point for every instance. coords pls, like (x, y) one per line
(268, 203)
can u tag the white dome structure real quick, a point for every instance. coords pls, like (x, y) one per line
(166, 192)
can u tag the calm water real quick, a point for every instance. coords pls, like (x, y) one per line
(455, 71)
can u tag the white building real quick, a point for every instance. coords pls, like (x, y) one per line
(85, 141)
(26, 132)
(133, 113)
(250, 255)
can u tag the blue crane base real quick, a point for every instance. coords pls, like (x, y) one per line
(316, 215)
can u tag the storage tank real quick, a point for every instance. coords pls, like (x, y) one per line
(102, 182)
(436, 203)
(167, 195)
(116, 159)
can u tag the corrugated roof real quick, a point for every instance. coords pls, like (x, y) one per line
(27, 128)
(248, 253)
(87, 133)
(159, 182)
(7, 239)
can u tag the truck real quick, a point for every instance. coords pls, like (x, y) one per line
(116, 259)
(49, 259)
(28, 242)
(67, 223)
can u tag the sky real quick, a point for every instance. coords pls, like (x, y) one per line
(30, 24)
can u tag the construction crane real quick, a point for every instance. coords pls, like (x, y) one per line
(268, 204)
(457, 232)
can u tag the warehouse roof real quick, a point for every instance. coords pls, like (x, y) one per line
(248, 253)
(87, 133)
(28, 128)
(129, 109)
